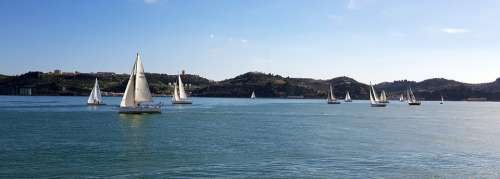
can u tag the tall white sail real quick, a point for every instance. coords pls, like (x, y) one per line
(372, 101)
(332, 95)
(401, 98)
(412, 96)
(128, 99)
(374, 94)
(182, 93)
(95, 96)
(253, 95)
(175, 96)
(142, 93)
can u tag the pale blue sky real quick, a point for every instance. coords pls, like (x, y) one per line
(369, 40)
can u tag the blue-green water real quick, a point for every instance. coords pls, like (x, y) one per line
(219, 137)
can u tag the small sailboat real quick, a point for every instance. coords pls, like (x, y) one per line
(401, 98)
(95, 97)
(383, 97)
(374, 101)
(331, 97)
(137, 97)
(179, 96)
(442, 100)
(253, 95)
(347, 97)
(412, 101)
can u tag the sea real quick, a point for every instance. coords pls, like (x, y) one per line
(62, 137)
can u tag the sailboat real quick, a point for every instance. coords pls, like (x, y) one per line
(442, 100)
(374, 101)
(383, 97)
(253, 95)
(137, 97)
(412, 101)
(331, 97)
(179, 96)
(347, 97)
(401, 98)
(95, 97)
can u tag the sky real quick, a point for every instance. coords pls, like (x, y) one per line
(368, 40)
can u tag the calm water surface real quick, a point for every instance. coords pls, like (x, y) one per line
(49, 137)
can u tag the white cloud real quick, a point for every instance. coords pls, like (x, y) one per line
(151, 1)
(454, 30)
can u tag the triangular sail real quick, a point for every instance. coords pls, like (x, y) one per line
(142, 93)
(372, 101)
(95, 96)
(347, 96)
(182, 93)
(374, 94)
(128, 99)
(332, 95)
(383, 97)
(175, 96)
(412, 96)
(253, 95)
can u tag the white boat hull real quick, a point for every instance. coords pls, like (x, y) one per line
(139, 110)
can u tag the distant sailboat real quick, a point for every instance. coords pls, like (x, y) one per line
(401, 98)
(347, 97)
(442, 100)
(383, 97)
(179, 96)
(374, 101)
(253, 95)
(331, 97)
(137, 97)
(95, 97)
(412, 101)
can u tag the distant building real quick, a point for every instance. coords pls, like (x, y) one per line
(105, 74)
(57, 72)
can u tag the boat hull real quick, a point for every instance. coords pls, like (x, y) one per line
(140, 110)
(332, 102)
(182, 102)
(378, 105)
(95, 104)
(414, 103)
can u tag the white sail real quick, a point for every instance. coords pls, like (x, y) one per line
(175, 96)
(383, 97)
(332, 95)
(128, 99)
(412, 96)
(347, 96)
(374, 94)
(372, 101)
(442, 99)
(401, 98)
(253, 95)
(142, 93)
(95, 96)
(182, 93)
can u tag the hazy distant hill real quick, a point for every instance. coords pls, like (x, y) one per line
(269, 85)
(264, 85)
(81, 83)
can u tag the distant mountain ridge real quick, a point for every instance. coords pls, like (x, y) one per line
(265, 86)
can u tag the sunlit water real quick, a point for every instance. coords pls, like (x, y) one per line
(221, 137)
